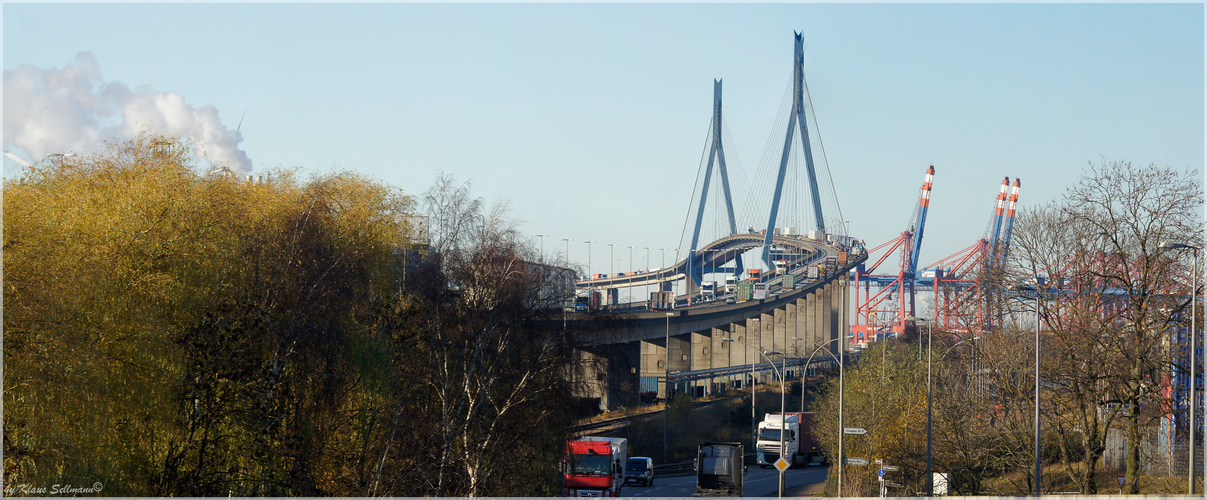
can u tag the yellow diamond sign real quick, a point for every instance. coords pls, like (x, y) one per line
(782, 464)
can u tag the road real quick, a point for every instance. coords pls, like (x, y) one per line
(758, 482)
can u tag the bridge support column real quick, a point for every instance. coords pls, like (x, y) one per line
(607, 375)
(800, 326)
(779, 327)
(653, 367)
(816, 325)
(739, 354)
(754, 337)
(700, 358)
(721, 357)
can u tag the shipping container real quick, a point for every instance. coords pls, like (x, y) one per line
(842, 258)
(745, 291)
(789, 281)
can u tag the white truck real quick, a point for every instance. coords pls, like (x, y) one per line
(800, 447)
(731, 284)
(760, 291)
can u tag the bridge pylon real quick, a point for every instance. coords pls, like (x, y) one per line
(797, 116)
(716, 155)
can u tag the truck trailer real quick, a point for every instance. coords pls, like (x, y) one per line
(800, 447)
(594, 467)
(719, 470)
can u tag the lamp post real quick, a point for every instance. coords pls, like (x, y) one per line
(779, 373)
(631, 274)
(612, 271)
(1038, 450)
(666, 384)
(841, 388)
(647, 271)
(589, 257)
(1194, 312)
(676, 281)
(930, 480)
(542, 237)
(805, 367)
(567, 240)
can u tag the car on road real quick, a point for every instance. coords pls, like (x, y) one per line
(639, 470)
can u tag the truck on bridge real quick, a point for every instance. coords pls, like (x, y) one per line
(586, 300)
(661, 301)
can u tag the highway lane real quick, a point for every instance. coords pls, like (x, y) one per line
(758, 482)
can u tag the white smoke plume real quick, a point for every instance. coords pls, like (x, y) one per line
(72, 109)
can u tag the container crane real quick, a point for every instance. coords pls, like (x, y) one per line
(872, 313)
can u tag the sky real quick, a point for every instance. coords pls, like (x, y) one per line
(590, 120)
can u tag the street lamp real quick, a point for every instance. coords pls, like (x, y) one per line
(805, 367)
(542, 237)
(930, 480)
(841, 387)
(647, 271)
(1194, 312)
(780, 374)
(589, 257)
(666, 385)
(1038, 452)
(677, 281)
(567, 240)
(612, 270)
(631, 273)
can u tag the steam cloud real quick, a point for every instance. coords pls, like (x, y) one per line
(72, 109)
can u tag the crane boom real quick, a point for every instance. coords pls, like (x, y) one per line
(997, 220)
(920, 224)
(1010, 218)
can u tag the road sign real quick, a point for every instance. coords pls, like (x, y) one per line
(782, 464)
(890, 467)
(854, 430)
(855, 461)
(881, 474)
(1121, 480)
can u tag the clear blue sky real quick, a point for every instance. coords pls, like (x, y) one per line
(590, 118)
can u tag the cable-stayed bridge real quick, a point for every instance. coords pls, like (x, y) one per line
(772, 277)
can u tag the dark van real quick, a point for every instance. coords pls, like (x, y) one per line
(639, 470)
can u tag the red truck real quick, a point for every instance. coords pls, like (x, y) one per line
(594, 467)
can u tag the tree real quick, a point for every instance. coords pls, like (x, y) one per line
(495, 363)
(1104, 301)
(885, 394)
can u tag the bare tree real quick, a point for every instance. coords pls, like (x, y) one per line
(1102, 288)
(495, 362)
